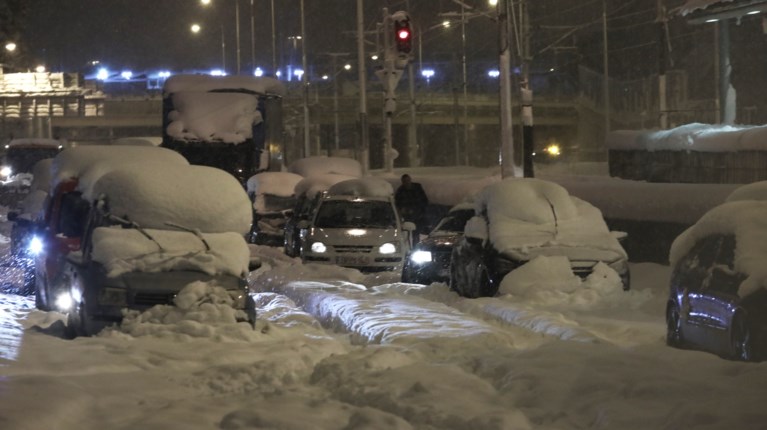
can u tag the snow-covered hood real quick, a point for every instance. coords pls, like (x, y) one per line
(122, 250)
(356, 236)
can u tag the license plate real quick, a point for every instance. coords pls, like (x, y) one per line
(351, 260)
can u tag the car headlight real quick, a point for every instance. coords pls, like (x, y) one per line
(64, 302)
(319, 247)
(35, 245)
(387, 248)
(5, 171)
(420, 257)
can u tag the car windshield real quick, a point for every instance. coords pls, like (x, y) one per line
(273, 203)
(355, 214)
(455, 221)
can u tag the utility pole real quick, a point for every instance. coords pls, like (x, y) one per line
(274, 42)
(504, 63)
(412, 130)
(237, 30)
(361, 73)
(662, 63)
(606, 79)
(252, 37)
(305, 85)
(526, 92)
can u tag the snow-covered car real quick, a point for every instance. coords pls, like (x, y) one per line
(22, 154)
(151, 232)
(273, 197)
(356, 225)
(429, 260)
(308, 192)
(519, 219)
(718, 286)
(65, 213)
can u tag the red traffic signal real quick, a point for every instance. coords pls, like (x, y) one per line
(403, 36)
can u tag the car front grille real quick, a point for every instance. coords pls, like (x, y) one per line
(352, 248)
(151, 299)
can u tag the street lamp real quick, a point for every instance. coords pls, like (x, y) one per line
(10, 46)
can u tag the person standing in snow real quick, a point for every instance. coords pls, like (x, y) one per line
(411, 202)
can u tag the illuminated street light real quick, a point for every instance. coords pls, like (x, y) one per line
(102, 74)
(492, 2)
(195, 28)
(428, 74)
(127, 74)
(347, 66)
(10, 46)
(258, 72)
(40, 69)
(494, 73)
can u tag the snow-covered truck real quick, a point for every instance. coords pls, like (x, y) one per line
(233, 123)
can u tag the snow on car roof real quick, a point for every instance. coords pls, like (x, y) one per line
(524, 213)
(318, 183)
(362, 187)
(746, 220)
(312, 166)
(199, 197)
(73, 162)
(213, 117)
(281, 184)
(752, 191)
(205, 83)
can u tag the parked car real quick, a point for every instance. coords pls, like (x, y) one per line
(152, 231)
(356, 225)
(65, 211)
(429, 260)
(273, 197)
(718, 286)
(22, 154)
(308, 193)
(519, 219)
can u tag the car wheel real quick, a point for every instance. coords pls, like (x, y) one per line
(740, 339)
(80, 322)
(40, 301)
(674, 326)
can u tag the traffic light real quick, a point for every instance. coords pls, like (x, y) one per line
(403, 35)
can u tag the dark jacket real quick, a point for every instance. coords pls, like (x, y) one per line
(411, 201)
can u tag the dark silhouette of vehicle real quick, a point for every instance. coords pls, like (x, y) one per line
(520, 219)
(429, 260)
(273, 197)
(717, 298)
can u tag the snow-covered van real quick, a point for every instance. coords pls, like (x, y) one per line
(273, 197)
(357, 225)
(151, 231)
(65, 210)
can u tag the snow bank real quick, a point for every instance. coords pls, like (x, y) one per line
(198, 197)
(692, 5)
(123, 250)
(35, 141)
(753, 191)
(692, 137)
(312, 166)
(366, 187)
(72, 162)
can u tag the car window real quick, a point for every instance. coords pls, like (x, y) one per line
(693, 269)
(74, 213)
(355, 214)
(726, 254)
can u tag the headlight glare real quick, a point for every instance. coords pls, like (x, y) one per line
(5, 171)
(420, 257)
(387, 248)
(35, 245)
(319, 247)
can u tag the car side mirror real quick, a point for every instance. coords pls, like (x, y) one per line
(303, 224)
(619, 235)
(408, 226)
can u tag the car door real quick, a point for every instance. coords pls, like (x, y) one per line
(718, 297)
(693, 274)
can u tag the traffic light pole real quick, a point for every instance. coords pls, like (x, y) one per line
(361, 73)
(504, 60)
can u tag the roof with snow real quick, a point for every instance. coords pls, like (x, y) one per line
(281, 184)
(701, 11)
(74, 162)
(691, 137)
(198, 197)
(746, 220)
(205, 83)
(311, 166)
(362, 187)
(318, 183)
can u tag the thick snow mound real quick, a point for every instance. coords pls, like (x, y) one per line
(72, 162)
(281, 184)
(527, 200)
(363, 187)
(198, 197)
(122, 250)
(753, 191)
(205, 83)
(312, 185)
(213, 117)
(746, 220)
(311, 166)
(41, 175)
